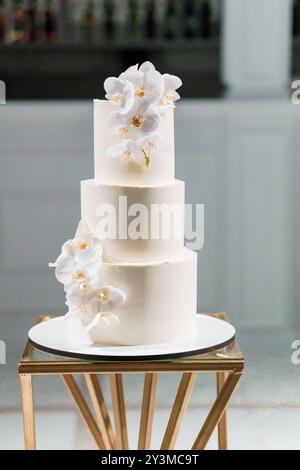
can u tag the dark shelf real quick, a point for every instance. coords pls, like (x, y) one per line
(296, 56)
(77, 70)
(192, 44)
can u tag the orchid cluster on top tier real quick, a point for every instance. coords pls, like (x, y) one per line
(140, 96)
(78, 268)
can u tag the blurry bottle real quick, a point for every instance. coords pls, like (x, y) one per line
(66, 25)
(216, 7)
(18, 23)
(150, 20)
(31, 11)
(50, 22)
(121, 20)
(89, 22)
(2, 22)
(206, 19)
(133, 14)
(160, 15)
(191, 24)
(171, 20)
(75, 21)
(109, 26)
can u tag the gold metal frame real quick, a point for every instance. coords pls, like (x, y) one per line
(227, 363)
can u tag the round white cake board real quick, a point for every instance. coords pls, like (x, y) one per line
(211, 333)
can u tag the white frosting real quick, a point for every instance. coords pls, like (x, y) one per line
(93, 195)
(160, 305)
(126, 290)
(110, 170)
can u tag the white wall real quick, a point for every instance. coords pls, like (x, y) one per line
(256, 47)
(238, 158)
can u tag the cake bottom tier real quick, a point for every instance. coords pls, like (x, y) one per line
(160, 303)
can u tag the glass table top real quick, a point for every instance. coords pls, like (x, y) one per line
(229, 353)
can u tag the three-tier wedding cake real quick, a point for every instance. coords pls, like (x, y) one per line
(128, 278)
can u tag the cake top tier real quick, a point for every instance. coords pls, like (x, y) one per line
(134, 136)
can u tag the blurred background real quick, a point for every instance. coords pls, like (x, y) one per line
(66, 48)
(237, 140)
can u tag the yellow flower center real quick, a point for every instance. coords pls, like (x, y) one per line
(104, 294)
(80, 245)
(136, 121)
(124, 132)
(105, 318)
(116, 99)
(83, 287)
(140, 92)
(80, 275)
(170, 96)
(83, 245)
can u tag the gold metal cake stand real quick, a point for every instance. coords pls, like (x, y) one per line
(227, 363)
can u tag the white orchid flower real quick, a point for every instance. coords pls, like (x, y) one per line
(147, 67)
(121, 126)
(140, 150)
(145, 147)
(133, 75)
(88, 299)
(82, 300)
(111, 295)
(120, 93)
(151, 88)
(124, 151)
(153, 94)
(102, 321)
(80, 295)
(171, 84)
(151, 120)
(80, 259)
(84, 315)
(147, 82)
(103, 298)
(122, 131)
(84, 295)
(142, 119)
(152, 142)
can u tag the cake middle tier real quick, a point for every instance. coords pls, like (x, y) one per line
(136, 224)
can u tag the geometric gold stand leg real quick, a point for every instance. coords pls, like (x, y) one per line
(147, 411)
(217, 410)
(118, 402)
(178, 410)
(101, 410)
(28, 411)
(222, 425)
(83, 409)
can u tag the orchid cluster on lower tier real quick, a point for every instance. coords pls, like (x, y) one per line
(140, 97)
(78, 268)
